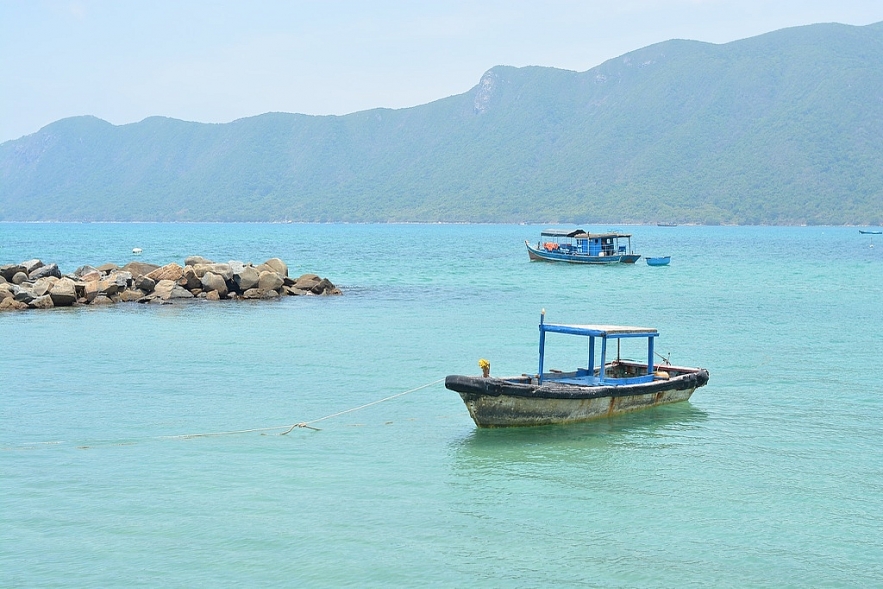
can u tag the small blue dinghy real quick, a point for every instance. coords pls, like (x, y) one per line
(659, 261)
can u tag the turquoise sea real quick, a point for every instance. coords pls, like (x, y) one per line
(771, 476)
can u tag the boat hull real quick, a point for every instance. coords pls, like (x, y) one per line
(496, 402)
(661, 261)
(547, 256)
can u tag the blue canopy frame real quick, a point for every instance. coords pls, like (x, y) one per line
(605, 332)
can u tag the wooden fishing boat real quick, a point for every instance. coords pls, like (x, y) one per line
(581, 247)
(601, 389)
(870, 232)
(658, 261)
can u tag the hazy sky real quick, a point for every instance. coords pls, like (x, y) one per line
(219, 60)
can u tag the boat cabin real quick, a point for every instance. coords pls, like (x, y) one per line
(580, 241)
(598, 374)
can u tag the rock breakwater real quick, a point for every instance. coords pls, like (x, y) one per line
(35, 285)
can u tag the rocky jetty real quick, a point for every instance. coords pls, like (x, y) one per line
(35, 285)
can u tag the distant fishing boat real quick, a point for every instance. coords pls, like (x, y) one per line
(136, 250)
(658, 261)
(581, 247)
(870, 232)
(595, 390)
(663, 224)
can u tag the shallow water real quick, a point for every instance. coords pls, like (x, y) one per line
(772, 475)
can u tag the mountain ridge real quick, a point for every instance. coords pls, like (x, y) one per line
(782, 128)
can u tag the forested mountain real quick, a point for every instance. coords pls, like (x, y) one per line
(783, 128)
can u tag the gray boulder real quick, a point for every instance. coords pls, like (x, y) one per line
(194, 260)
(212, 282)
(237, 266)
(307, 281)
(121, 277)
(189, 279)
(63, 293)
(163, 289)
(41, 302)
(179, 292)
(19, 278)
(246, 279)
(269, 280)
(102, 300)
(168, 272)
(322, 286)
(143, 283)
(115, 283)
(84, 270)
(25, 294)
(139, 268)
(325, 287)
(44, 271)
(169, 289)
(10, 270)
(90, 290)
(10, 304)
(32, 265)
(278, 266)
(224, 270)
(91, 276)
(108, 287)
(131, 295)
(43, 285)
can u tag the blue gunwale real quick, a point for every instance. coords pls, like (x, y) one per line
(586, 376)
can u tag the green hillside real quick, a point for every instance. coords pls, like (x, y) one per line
(784, 128)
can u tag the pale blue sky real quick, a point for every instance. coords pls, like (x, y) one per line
(216, 61)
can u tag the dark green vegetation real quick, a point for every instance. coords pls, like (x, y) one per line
(784, 128)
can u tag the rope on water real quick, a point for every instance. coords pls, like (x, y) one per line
(306, 424)
(210, 434)
(303, 424)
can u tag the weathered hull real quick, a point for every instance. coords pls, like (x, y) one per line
(503, 403)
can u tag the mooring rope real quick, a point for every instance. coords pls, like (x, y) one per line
(288, 429)
(306, 424)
